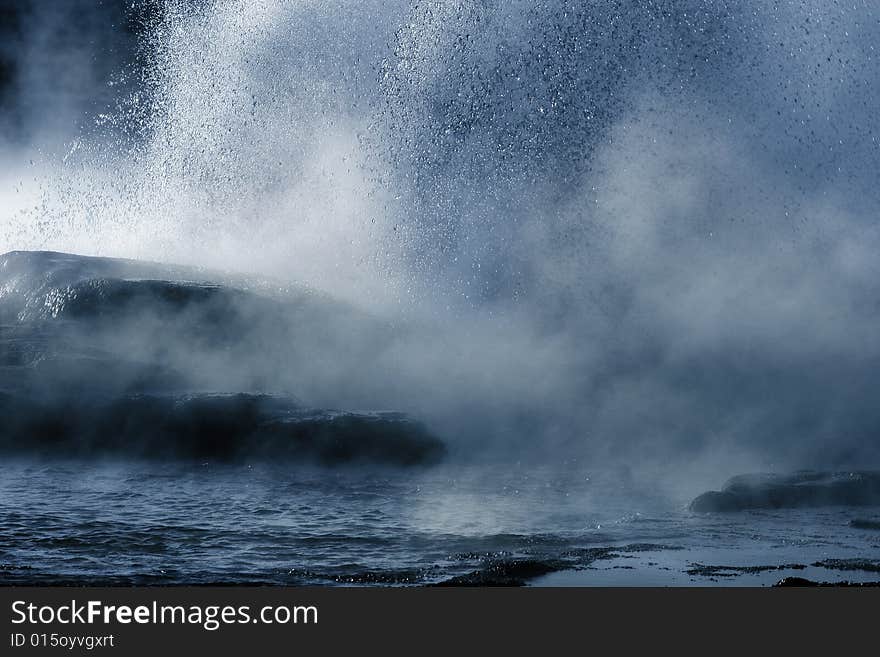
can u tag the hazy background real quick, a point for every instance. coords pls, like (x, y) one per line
(638, 233)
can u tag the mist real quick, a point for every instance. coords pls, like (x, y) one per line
(618, 233)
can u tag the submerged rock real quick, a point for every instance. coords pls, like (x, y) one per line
(867, 565)
(793, 582)
(734, 571)
(862, 523)
(209, 426)
(801, 489)
(506, 572)
(103, 356)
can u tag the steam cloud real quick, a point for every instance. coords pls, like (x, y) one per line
(641, 232)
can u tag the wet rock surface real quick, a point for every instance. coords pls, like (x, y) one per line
(789, 582)
(862, 523)
(110, 357)
(801, 489)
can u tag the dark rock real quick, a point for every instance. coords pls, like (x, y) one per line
(507, 572)
(788, 582)
(732, 571)
(102, 356)
(860, 523)
(214, 427)
(801, 489)
(867, 565)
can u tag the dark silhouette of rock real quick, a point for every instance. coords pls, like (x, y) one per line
(867, 565)
(103, 356)
(801, 489)
(862, 523)
(789, 582)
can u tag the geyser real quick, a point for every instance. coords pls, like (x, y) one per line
(637, 232)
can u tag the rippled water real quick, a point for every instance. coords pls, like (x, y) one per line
(141, 523)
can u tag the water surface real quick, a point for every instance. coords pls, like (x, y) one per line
(186, 523)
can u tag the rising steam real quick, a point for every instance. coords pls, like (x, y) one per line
(635, 231)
